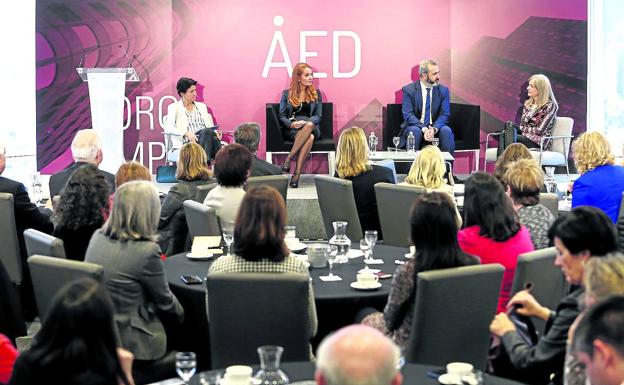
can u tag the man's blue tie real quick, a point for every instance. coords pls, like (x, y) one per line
(427, 119)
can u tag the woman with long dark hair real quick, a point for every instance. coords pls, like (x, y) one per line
(76, 343)
(434, 235)
(493, 231)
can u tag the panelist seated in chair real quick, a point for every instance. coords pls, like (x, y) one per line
(191, 119)
(300, 115)
(426, 110)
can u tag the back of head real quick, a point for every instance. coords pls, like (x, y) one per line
(487, 206)
(525, 179)
(248, 135)
(604, 322)
(192, 163)
(83, 199)
(428, 169)
(512, 153)
(357, 355)
(604, 277)
(131, 171)
(591, 150)
(260, 226)
(232, 165)
(86, 146)
(135, 213)
(352, 153)
(585, 228)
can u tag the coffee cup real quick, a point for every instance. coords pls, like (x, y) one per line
(238, 375)
(367, 279)
(459, 369)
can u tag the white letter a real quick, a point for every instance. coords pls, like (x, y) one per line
(278, 38)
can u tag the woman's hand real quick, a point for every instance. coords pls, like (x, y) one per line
(125, 359)
(297, 124)
(191, 137)
(501, 325)
(219, 134)
(525, 304)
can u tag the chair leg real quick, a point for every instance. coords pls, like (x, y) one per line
(331, 161)
(269, 157)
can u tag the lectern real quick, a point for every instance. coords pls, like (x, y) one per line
(106, 94)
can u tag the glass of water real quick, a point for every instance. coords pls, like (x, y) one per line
(186, 364)
(435, 141)
(228, 235)
(291, 231)
(371, 238)
(332, 252)
(396, 141)
(366, 248)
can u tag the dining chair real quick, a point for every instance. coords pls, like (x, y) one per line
(10, 254)
(452, 313)
(394, 204)
(278, 182)
(551, 202)
(335, 197)
(38, 242)
(203, 190)
(202, 220)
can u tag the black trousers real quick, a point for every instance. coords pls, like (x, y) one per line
(511, 134)
(207, 138)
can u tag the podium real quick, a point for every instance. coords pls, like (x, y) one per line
(106, 95)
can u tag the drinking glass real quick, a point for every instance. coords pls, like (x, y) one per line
(435, 141)
(186, 364)
(332, 252)
(270, 372)
(228, 237)
(210, 378)
(371, 238)
(396, 141)
(291, 231)
(366, 249)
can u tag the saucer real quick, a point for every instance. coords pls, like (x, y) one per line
(199, 257)
(356, 285)
(295, 247)
(449, 379)
(409, 255)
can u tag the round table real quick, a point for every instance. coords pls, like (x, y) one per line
(337, 302)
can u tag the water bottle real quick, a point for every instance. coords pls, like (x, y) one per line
(411, 143)
(372, 143)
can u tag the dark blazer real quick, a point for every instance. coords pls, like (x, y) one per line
(261, 167)
(413, 105)
(286, 111)
(59, 180)
(535, 364)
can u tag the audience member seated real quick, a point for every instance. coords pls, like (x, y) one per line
(248, 135)
(8, 355)
(192, 171)
(83, 208)
(514, 152)
(601, 182)
(86, 148)
(603, 277)
(358, 355)
(352, 164)
(492, 231)
(599, 342)
(135, 279)
(585, 233)
(231, 168)
(129, 171)
(259, 245)
(524, 180)
(427, 172)
(434, 234)
(77, 342)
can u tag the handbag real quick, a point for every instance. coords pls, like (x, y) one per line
(498, 360)
(166, 174)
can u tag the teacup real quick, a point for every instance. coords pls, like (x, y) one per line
(367, 279)
(459, 369)
(238, 374)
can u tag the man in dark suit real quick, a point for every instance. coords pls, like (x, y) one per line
(86, 148)
(426, 110)
(248, 135)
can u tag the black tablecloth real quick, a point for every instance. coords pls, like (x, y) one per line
(336, 302)
(413, 374)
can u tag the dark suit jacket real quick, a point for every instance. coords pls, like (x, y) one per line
(286, 111)
(58, 180)
(413, 105)
(261, 167)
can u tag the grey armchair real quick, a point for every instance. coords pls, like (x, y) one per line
(335, 197)
(10, 255)
(278, 182)
(394, 204)
(41, 243)
(201, 219)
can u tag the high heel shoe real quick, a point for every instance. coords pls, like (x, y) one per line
(294, 180)
(286, 165)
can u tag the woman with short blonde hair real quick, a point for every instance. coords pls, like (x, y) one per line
(192, 163)
(601, 182)
(352, 164)
(511, 154)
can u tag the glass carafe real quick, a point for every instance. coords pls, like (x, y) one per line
(270, 373)
(340, 241)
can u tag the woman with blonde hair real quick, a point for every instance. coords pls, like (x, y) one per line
(427, 172)
(300, 114)
(192, 171)
(352, 164)
(601, 182)
(512, 153)
(538, 117)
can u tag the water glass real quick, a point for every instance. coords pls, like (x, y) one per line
(396, 140)
(366, 248)
(291, 231)
(435, 141)
(331, 257)
(371, 238)
(228, 237)
(186, 364)
(210, 378)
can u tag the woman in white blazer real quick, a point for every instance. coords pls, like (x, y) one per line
(191, 119)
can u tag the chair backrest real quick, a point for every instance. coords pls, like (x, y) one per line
(50, 274)
(452, 314)
(563, 126)
(55, 202)
(10, 251)
(275, 139)
(548, 284)
(41, 243)
(201, 219)
(394, 204)
(337, 203)
(278, 182)
(248, 310)
(203, 190)
(551, 201)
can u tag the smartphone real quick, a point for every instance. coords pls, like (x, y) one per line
(436, 373)
(191, 279)
(383, 275)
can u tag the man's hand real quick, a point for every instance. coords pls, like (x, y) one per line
(501, 324)
(429, 134)
(191, 137)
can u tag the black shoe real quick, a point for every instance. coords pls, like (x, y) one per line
(294, 180)
(286, 165)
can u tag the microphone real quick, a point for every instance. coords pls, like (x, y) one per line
(84, 55)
